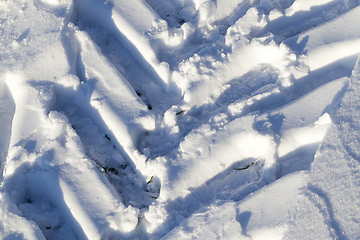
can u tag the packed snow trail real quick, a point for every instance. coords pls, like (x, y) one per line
(179, 119)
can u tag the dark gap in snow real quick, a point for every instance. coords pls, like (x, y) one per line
(165, 9)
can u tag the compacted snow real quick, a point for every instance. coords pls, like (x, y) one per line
(180, 119)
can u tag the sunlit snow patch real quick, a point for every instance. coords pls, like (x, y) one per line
(296, 138)
(305, 5)
(205, 152)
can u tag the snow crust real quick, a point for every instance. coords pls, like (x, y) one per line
(179, 119)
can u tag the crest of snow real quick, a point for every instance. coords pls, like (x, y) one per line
(305, 5)
(247, 24)
(274, 14)
(330, 53)
(114, 99)
(206, 10)
(304, 124)
(297, 138)
(224, 8)
(147, 122)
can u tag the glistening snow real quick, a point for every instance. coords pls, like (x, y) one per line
(180, 119)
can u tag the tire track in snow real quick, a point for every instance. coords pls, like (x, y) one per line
(109, 99)
(100, 144)
(99, 148)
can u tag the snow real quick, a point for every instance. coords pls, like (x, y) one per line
(179, 119)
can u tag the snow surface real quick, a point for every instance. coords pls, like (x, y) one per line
(179, 119)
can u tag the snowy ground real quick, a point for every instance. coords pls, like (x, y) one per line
(180, 119)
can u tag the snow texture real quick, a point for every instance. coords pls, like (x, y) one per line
(179, 119)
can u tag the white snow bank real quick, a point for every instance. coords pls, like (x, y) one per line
(7, 109)
(214, 146)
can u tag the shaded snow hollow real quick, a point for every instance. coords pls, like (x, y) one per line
(179, 119)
